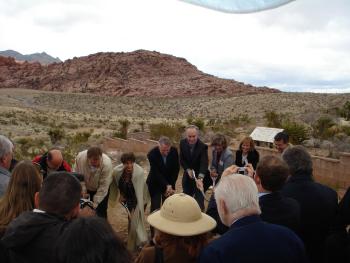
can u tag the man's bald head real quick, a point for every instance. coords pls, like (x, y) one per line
(54, 159)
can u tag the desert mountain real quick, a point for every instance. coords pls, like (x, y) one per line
(139, 73)
(42, 58)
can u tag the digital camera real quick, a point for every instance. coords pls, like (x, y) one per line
(242, 170)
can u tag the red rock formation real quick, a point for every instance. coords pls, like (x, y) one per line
(139, 73)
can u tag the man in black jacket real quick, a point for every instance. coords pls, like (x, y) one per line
(271, 174)
(193, 159)
(31, 236)
(338, 242)
(164, 170)
(318, 203)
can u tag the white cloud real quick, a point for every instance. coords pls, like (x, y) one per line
(301, 46)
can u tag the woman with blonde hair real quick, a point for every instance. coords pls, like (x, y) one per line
(247, 153)
(25, 181)
(181, 231)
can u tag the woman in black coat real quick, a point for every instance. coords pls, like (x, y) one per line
(247, 153)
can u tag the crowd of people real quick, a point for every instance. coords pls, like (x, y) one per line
(262, 209)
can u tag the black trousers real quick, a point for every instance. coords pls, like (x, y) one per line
(189, 187)
(156, 200)
(101, 209)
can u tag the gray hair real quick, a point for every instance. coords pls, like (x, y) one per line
(163, 140)
(192, 127)
(298, 160)
(6, 146)
(239, 193)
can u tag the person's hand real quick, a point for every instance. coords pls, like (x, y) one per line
(168, 191)
(86, 211)
(122, 199)
(199, 184)
(250, 170)
(190, 173)
(233, 169)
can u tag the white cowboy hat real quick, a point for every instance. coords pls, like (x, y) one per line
(180, 215)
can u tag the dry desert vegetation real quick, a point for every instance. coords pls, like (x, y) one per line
(40, 115)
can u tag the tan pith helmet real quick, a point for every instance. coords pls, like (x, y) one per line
(180, 215)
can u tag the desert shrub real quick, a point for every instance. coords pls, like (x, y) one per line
(212, 122)
(13, 122)
(10, 114)
(173, 131)
(345, 111)
(112, 126)
(322, 127)
(27, 147)
(96, 136)
(297, 132)
(226, 130)
(56, 134)
(244, 119)
(74, 144)
(240, 119)
(199, 122)
(123, 130)
(3, 122)
(80, 137)
(273, 119)
(226, 127)
(69, 153)
(71, 125)
(142, 125)
(118, 134)
(346, 130)
(40, 119)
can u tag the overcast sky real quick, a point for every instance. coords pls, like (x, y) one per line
(302, 46)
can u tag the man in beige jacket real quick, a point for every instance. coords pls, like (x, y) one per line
(97, 170)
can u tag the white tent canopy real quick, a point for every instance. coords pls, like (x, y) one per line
(264, 134)
(239, 6)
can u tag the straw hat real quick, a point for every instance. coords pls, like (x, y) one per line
(180, 215)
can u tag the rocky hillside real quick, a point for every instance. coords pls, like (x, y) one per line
(42, 58)
(139, 73)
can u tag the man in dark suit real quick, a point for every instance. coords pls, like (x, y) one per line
(194, 158)
(164, 170)
(271, 174)
(318, 203)
(249, 239)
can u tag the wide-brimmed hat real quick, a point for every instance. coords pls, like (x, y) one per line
(180, 215)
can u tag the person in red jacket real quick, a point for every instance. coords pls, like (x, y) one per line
(51, 161)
